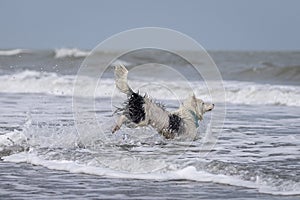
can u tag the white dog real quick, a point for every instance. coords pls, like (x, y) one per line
(143, 111)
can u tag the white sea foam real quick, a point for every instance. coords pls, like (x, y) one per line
(236, 92)
(74, 52)
(186, 173)
(254, 93)
(12, 52)
(36, 82)
(12, 138)
(56, 149)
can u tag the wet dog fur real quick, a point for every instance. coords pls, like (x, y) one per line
(143, 111)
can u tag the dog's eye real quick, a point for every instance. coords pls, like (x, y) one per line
(203, 104)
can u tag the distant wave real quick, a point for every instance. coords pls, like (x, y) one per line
(74, 52)
(236, 92)
(279, 68)
(270, 71)
(265, 94)
(120, 61)
(12, 52)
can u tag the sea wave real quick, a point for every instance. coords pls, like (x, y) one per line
(271, 71)
(13, 52)
(36, 82)
(187, 173)
(15, 147)
(268, 67)
(73, 52)
(236, 92)
(265, 94)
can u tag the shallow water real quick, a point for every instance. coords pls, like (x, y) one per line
(257, 155)
(24, 181)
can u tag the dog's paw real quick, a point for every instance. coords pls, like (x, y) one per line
(115, 129)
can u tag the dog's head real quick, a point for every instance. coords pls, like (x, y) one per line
(197, 106)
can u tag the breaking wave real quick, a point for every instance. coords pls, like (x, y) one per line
(74, 52)
(271, 71)
(236, 92)
(13, 52)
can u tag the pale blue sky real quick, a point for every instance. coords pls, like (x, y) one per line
(216, 24)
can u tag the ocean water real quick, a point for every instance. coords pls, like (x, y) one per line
(44, 155)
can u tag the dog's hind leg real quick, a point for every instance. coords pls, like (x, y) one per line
(120, 121)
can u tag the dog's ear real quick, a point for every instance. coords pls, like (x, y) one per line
(194, 100)
(191, 100)
(194, 96)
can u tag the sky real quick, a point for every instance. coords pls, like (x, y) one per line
(215, 24)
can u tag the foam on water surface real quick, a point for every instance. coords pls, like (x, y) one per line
(13, 52)
(234, 161)
(74, 52)
(187, 173)
(236, 92)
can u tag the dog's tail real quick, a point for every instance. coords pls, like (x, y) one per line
(121, 79)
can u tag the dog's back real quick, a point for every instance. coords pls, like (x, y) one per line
(141, 110)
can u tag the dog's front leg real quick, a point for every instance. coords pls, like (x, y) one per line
(120, 121)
